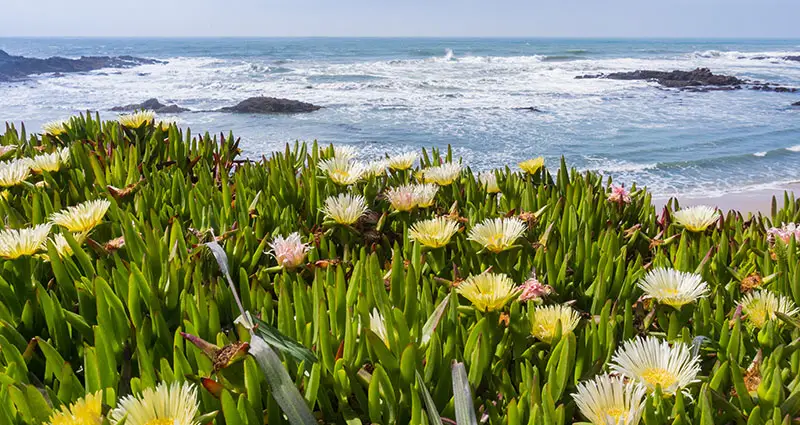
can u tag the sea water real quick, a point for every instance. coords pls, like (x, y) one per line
(393, 95)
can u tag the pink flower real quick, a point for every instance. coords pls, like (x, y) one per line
(532, 289)
(619, 195)
(290, 251)
(784, 233)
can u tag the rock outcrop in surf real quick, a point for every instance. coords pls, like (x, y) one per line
(270, 105)
(19, 67)
(700, 79)
(152, 105)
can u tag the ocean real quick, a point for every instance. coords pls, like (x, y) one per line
(392, 95)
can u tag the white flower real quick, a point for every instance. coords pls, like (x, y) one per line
(175, 404)
(55, 128)
(342, 171)
(544, 321)
(345, 208)
(137, 119)
(609, 400)
(289, 251)
(402, 198)
(376, 168)
(497, 234)
(443, 175)
(425, 194)
(49, 161)
(697, 218)
(654, 362)
(672, 287)
(378, 326)
(62, 247)
(433, 233)
(403, 161)
(82, 217)
(762, 306)
(15, 243)
(346, 152)
(489, 181)
(15, 172)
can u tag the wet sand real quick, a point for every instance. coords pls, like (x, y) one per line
(754, 202)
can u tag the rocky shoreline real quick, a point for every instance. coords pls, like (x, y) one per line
(19, 67)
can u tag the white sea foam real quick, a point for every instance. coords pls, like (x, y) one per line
(795, 148)
(760, 154)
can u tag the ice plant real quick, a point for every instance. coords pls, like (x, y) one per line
(497, 234)
(342, 171)
(15, 172)
(55, 128)
(402, 198)
(378, 325)
(403, 161)
(84, 411)
(376, 168)
(50, 162)
(82, 217)
(425, 194)
(6, 149)
(345, 208)
(489, 181)
(62, 247)
(531, 166)
(532, 289)
(697, 218)
(762, 306)
(433, 233)
(653, 363)
(672, 287)
(785, 233)
(174, 404)
(289, 251)
(619, 195)
(137, 119)
(488, 291)
(610, 400)
(443, 175)
(15, 243)
(545, 320)
(344, 152)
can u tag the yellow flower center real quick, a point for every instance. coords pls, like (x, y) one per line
(658, 376)
(160, 421)
(616, 413)
(339, 175)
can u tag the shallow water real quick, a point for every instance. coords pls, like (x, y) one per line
(391, 95)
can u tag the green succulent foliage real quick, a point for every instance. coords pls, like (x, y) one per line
(110, 316)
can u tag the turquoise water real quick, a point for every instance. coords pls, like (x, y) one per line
(390, 95)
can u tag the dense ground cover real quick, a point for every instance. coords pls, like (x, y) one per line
(399, 290)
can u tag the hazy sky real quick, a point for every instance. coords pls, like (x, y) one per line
(556, 18)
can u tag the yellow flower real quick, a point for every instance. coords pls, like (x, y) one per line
(497, 234)
(531, 166)
(443, 175)
(488, 291)
(55, 128)
(402, 198)
(544, 321)
(15, 243)
(175, 404)
(15, 172)
(82, 217)
(425, 194)
(403, 161)
(697, 218)
(137, 119)
(342, 171)
(49, 161)
(489, 181)
(609, 400)
(345, 208)
(652, 362)
(672, 287)
(761, 306)
(85, 411)
(433, 233)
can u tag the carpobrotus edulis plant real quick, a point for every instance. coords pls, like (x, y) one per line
(673, 287)
(488, 291)
(697, 218)
(655, 363)
(610, 400)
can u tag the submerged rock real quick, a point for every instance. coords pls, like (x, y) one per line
(18, 67)
(270, 105)
(528, 108)
(796, 104)
(151, 104)
(697, 80)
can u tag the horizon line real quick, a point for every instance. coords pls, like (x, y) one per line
(421, 37)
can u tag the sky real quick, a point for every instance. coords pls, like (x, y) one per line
(432, 18)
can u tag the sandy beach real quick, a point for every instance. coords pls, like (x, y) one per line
(753, 201)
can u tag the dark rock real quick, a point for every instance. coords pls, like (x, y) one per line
(679, 79)
(792, 58)
(18, 67)
(529, 109)
(796, 104)
(589, 76)
(151, 104)
(270, 105)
